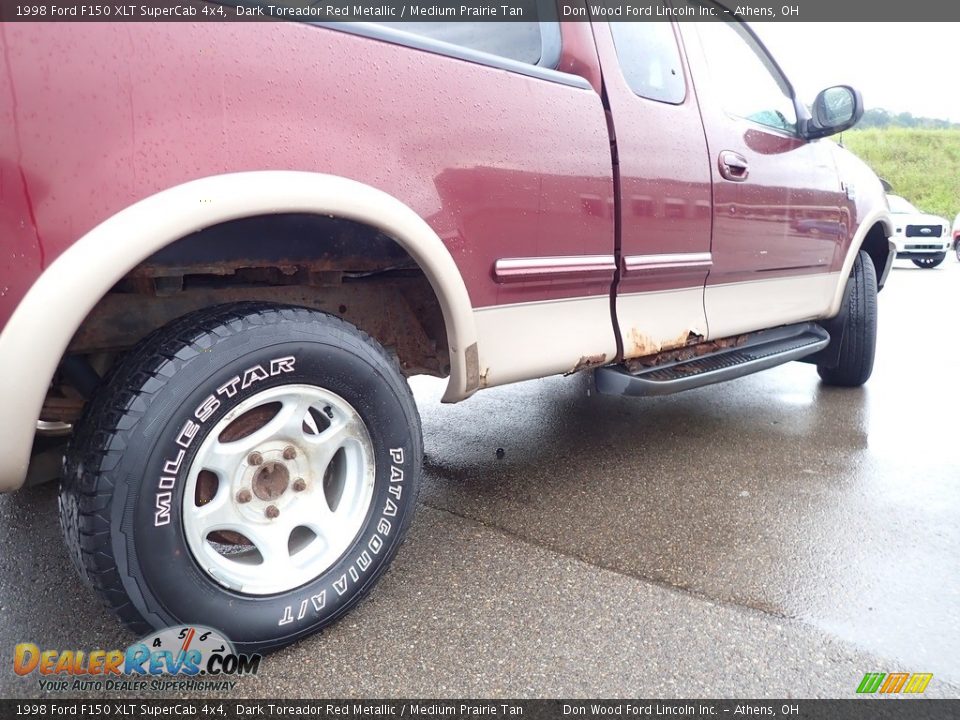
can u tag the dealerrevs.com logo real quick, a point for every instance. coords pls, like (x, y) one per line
(187, 657)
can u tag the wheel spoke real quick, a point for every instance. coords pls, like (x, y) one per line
(271, 542)
(224, 459)
(314, 513)
(218, 514)
(322, 448)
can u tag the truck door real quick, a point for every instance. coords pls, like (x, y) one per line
(664, 186)
(777, 196)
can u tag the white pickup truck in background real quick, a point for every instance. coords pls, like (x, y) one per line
(922, 238)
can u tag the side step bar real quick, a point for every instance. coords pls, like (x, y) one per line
(761, 350)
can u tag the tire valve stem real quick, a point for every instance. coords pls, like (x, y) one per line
(272, 511)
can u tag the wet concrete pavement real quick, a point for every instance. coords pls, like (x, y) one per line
(766, 537)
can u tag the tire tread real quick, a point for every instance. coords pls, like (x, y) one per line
(858, 345)
(87, 487)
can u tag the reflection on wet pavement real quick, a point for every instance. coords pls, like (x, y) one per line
(834, 506)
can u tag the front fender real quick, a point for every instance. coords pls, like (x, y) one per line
(868, 207)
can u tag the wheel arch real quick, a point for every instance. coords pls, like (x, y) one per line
(872, 236)
(882, 252)
(61, 298)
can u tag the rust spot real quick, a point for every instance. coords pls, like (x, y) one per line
(642, 345)
(207, 485)
(588, 361)
(229, 537)
(63, 405)
(483, 377)
(401, 312)
(249, 422)
(472, 360)
(271, 481)
(695, 348)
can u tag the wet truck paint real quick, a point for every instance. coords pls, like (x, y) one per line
(783, 217)
(777, 240)
(21, 258)
(665, 209)
(143, 107)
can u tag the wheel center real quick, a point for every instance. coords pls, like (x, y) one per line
(271, 481)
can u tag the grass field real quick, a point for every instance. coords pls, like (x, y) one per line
(922, 165)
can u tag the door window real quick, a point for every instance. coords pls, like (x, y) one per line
(748, 83)
(650, 60)
(515, 40)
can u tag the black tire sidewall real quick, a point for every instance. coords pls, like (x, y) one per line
(858, 345)
(162, 577)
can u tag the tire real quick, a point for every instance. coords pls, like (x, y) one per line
(929, 262)
(165, 502)
(956, 248)
(859, 341)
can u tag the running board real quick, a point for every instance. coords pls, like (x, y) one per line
(760, 350)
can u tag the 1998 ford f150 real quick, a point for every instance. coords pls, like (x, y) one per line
(221, 257)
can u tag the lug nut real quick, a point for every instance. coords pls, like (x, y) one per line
(299, 485)
(272, 511)
(244, 496)
(289, 452)
(255, 458)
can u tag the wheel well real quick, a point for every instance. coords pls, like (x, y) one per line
(875, 244)
(342, 267)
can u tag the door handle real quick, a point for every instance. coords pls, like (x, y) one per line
(734, 166)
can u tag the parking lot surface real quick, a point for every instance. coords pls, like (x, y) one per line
(765, 537)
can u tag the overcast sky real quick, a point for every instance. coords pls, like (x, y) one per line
(903, 67)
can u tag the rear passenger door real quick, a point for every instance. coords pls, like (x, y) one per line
(664, 175)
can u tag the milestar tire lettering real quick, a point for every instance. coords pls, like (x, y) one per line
(204, 412)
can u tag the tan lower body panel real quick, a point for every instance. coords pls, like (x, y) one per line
(531, 340)
(742, 307)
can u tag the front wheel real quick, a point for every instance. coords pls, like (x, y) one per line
(251, 468)
(931, 261)
(858, 341)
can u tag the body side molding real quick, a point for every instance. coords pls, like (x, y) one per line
(668, 264)
(57, 303)
(509, 270)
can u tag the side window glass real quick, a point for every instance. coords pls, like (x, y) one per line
(650, 60)
(515, 40)
(749, 85)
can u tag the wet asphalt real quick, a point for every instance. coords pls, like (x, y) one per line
(768, 537)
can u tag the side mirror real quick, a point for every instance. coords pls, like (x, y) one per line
(835, 109)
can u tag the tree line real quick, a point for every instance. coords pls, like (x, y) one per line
(880, 118)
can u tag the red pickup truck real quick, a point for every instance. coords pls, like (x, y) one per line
(223, 248)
